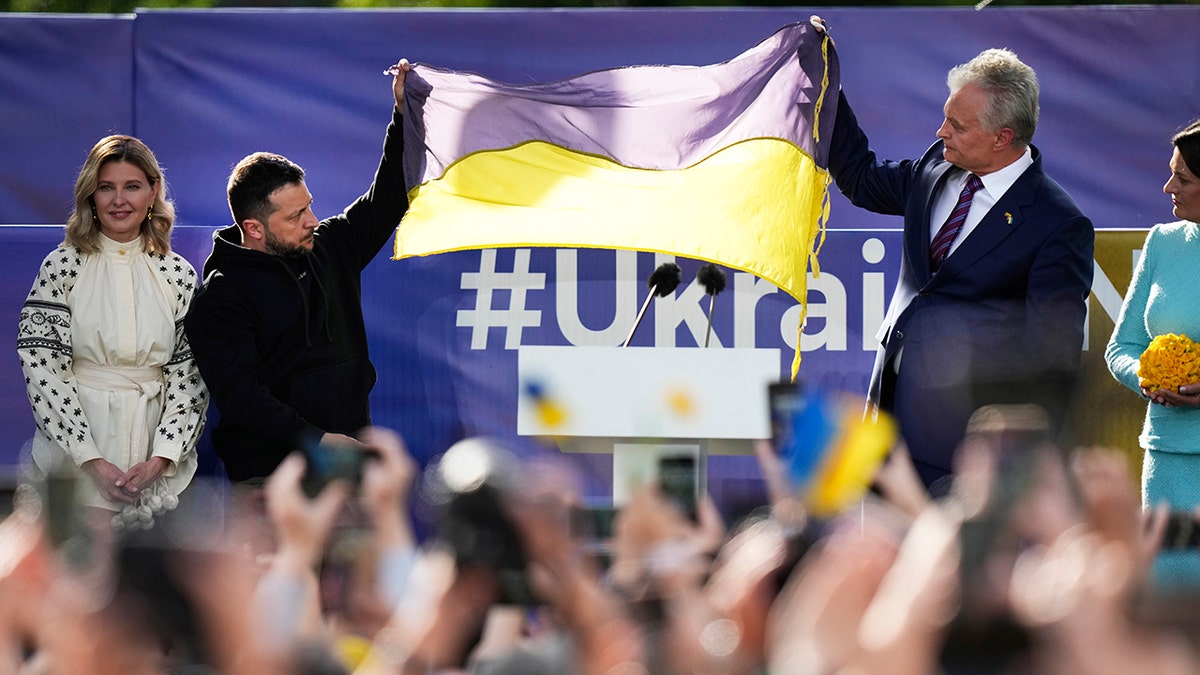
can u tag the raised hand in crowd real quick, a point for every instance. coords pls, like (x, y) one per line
(870, 597)
(288, 594)
(1078, 586)
(302, 525)
(386, 487)
(383, 549)
(654, 543)
(583, 611)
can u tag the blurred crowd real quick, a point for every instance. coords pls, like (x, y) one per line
(1035, 562)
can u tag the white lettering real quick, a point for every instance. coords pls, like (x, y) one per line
(831, 308)
(515, 318)
(873, 297)
(1107, 295)
(567, 300)
(747, 291)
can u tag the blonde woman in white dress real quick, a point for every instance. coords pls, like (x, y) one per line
(110, 377)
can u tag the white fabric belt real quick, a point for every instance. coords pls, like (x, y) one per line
(115, 378)
(148, 381)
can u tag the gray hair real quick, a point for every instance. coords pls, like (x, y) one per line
(1012, 89)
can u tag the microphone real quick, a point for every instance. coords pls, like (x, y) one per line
(713, 281)
(663, 281)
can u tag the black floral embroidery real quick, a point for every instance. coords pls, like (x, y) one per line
(44, 345)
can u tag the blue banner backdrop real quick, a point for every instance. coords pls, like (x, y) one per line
(204, 88)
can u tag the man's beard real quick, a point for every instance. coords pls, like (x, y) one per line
(278, 248)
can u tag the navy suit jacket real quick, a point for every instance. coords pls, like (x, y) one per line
(1005, 312)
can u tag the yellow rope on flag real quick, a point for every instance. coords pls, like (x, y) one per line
(824, 87)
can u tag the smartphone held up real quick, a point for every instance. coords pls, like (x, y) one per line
(334, 460)
(679, 482)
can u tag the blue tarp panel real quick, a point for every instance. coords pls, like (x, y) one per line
(65, 82)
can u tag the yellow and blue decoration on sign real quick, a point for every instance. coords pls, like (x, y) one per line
(550, 413)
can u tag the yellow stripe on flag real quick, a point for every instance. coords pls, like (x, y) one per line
(756, 206)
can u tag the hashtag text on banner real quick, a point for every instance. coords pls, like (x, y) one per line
(723, 163)
(484, 316)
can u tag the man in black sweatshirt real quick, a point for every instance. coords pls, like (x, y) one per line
(277, 327)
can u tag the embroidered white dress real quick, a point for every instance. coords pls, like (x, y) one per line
(108, 369)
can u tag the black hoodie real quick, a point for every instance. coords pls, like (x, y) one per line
(281, 341)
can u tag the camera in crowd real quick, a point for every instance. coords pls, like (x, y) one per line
(469, 484)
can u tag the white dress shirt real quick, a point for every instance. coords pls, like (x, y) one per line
(995, 184)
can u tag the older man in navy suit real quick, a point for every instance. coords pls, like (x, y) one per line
(996, 267)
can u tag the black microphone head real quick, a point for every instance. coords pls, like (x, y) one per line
(665, 279)
(711, 278)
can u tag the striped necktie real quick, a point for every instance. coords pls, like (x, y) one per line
(940, 247)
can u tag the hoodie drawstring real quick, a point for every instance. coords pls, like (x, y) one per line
(299, 289)
(324, 299)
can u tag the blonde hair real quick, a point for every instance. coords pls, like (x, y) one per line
(82, 227)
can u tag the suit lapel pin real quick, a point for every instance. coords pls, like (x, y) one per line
(1008, 217)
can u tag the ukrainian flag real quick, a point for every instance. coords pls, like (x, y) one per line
(725, 163)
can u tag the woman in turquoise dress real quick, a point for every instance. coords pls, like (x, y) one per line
(1163, 298)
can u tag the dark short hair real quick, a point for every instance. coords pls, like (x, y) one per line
(253, 181)
(1188, 142)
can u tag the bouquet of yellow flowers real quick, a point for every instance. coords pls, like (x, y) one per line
(1170, 361)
